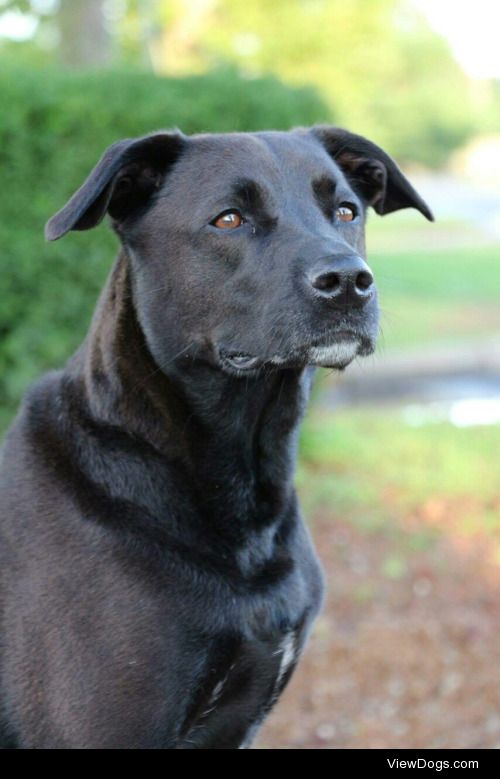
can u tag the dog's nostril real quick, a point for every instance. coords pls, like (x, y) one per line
(364, 280)
(327, 282)
(342, 279)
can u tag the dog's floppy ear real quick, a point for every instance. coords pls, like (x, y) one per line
(127, 173)
(371, 172)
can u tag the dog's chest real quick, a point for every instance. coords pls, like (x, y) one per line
(236, 694)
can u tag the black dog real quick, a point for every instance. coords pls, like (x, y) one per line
(157, 580)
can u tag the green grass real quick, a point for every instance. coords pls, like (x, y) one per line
(443, 275)
(437, 295)
(424, 460)
(369, 467)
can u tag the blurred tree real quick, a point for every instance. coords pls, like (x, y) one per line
(77, 27)
(84, 39)
(377, 63)
(179, 43)
(24, 6)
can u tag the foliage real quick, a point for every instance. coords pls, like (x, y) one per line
(53, 129)
(379, 66)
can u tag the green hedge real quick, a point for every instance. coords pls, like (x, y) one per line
(53, 128)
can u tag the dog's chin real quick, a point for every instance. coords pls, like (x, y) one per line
(337, 355)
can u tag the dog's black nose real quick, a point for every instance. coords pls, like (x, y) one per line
(342, 279)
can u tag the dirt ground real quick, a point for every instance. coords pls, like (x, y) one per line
(399, 658)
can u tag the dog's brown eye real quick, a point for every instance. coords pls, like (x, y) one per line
(345, 212)
(228, 220)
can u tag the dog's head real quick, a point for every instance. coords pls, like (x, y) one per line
(247, 249)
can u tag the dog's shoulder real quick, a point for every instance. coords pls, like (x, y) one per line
(34, 417)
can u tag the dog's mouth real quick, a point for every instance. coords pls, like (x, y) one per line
(338, 354)
(239, 361)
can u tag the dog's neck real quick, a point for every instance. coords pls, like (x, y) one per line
(230, 435)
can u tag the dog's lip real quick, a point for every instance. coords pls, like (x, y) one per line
(242, 361)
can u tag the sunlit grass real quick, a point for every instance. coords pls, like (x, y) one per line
(437, 296)
(441, 275)
(371, 468)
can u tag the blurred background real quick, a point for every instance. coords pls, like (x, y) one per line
(400, 459)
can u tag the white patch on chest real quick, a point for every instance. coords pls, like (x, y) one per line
(216, 694)
(287, 651)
